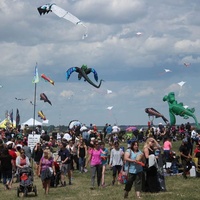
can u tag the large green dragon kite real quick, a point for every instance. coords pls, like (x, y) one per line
(179, 109)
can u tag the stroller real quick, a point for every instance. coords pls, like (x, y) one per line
(26, 182)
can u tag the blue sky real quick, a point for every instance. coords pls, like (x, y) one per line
(131, 65)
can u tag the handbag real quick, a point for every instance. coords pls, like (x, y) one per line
(123, 175)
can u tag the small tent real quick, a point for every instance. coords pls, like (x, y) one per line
(30, 122)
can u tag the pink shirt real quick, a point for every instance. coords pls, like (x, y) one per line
(167, 145)
(95, 157)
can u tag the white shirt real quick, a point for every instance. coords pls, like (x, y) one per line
(115, 129)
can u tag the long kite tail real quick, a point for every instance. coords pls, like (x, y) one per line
(165, 119)
(100, 83)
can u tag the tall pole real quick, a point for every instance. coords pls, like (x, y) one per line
(34, 105)
(35, 81)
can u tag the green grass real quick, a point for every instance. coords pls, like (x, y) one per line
(177, 189)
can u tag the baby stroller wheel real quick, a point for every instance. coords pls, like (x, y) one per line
(18, 191)
(35, 190)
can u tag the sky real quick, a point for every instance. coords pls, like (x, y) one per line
(132, 65)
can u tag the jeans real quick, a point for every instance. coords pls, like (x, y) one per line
(81, 164)
(96, 169)
(137, 178)
(7, 176)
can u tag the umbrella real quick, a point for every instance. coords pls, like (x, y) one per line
(74, 123)
(131, 128)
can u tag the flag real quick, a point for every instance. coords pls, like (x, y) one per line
(17, 118)
(6, 114)
(11, 115)
(36, 76)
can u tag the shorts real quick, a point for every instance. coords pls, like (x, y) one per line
(65, 168)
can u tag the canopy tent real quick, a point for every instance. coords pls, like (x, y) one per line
(30, 122)
(7, 123)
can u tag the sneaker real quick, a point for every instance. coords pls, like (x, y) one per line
(113, 182)
(125, 195)
(92, 188)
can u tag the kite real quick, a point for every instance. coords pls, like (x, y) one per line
(109, 91)
(46, 8)
(45, 98)
(20, 99)
(187, 64)
(109, 107)
(181, 85)
(138, 33)
(166, 71)
(47, 79)
(41, 115)
(74, 123)
(178, 109)
(83, 72)
(154, 113)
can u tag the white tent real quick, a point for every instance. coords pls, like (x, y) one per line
(30, 122)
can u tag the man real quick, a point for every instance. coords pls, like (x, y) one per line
(185, 157)
(64, 155)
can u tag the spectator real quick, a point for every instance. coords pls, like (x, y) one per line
(37, 155)
(167, 147)
(46, 169)
(152, 184)
(82, 154)
(95, 164)
(185, 157)
(116, 161)
(65, 157)
(7, 164)
(134, 169)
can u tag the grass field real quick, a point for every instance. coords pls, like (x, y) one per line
(177, 189)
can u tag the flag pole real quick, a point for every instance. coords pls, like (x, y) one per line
(35, 81)
(34, 105)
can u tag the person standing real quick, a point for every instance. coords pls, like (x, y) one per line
(82, 154)
(186, 158)
(152, 184)
(134, 169)
(116, 161)
(46, 169)
(104, 160)
(37, 155)
(7, 165)
(167, 147)
(65, 157)
(95, 164)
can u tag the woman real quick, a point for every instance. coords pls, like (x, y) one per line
(134, 169)
(104, 160)
(82, 154)
(7, 164)
(95, 164)
(167, 147)
(22, 160)
(116, 161)
(46, 169)
(37, 155)
(152, 184)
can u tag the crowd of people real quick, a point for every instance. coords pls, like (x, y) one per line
(89, 149)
